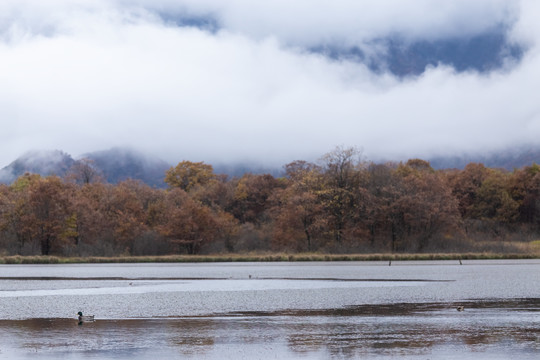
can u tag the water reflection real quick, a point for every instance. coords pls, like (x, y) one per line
(483, 330)
(323, 310)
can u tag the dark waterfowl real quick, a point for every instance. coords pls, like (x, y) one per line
(84, 318)
(460, 308)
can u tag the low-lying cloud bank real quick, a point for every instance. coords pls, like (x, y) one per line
(240, 80)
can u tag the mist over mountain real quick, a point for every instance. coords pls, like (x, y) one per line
(118, 164)
(45, 163)
(235, 81)
(509, 159)
(485, 52)
(115, 164)
(237, 169)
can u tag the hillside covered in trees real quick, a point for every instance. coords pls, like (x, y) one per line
(340, 204)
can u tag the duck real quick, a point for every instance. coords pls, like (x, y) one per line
(84, 318)
(460, 308)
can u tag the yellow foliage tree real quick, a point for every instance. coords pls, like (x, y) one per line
(187, 175)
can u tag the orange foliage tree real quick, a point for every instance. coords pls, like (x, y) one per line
(340, 204)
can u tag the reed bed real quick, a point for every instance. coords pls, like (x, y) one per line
(261, 258)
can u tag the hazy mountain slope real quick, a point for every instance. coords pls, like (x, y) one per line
(50, 162)
(119, 164)
(509, 159)
(483, 53)
(115, 164)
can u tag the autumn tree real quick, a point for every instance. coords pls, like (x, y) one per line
(492, 200)
(384, 189)
(524, 187)
(412, 205)
(10, 237)
(418, 165)
(465, 185)
(45, 213)
(91, 221)
(427, 204)
(126, 215)
(217, 194)
(189, 224)
(338, 204)
(340, 189)
(251, 197)
(84, 171)
(17, 212)
(297, 210)
(187, 175)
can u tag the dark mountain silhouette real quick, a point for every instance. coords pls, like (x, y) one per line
(483, 52)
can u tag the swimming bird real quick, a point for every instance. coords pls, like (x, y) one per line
(460, 308)
(84, 318)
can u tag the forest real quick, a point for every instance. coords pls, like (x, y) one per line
(340, 204)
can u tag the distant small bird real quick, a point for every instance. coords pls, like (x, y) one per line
(84, 318)
(460, 308)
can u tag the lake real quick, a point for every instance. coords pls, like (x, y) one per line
(300, 310)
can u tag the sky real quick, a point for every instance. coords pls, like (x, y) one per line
(239, 80)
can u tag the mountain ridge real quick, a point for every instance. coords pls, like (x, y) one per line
(118, 164)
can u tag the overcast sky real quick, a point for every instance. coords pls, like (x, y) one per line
(236, 80)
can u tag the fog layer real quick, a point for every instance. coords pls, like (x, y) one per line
(239, 80)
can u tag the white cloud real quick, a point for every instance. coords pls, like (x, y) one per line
(310, 22)
(87, 75)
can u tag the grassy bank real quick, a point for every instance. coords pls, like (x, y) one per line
(257, 258)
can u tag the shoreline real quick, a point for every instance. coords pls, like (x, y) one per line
(18, 259)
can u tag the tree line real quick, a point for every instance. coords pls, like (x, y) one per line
(340, 204)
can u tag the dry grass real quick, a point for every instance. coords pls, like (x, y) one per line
(272, 257)
(535, 245)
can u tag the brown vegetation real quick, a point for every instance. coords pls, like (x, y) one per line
(341, 205)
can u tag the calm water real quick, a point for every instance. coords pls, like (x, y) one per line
(272, 310)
